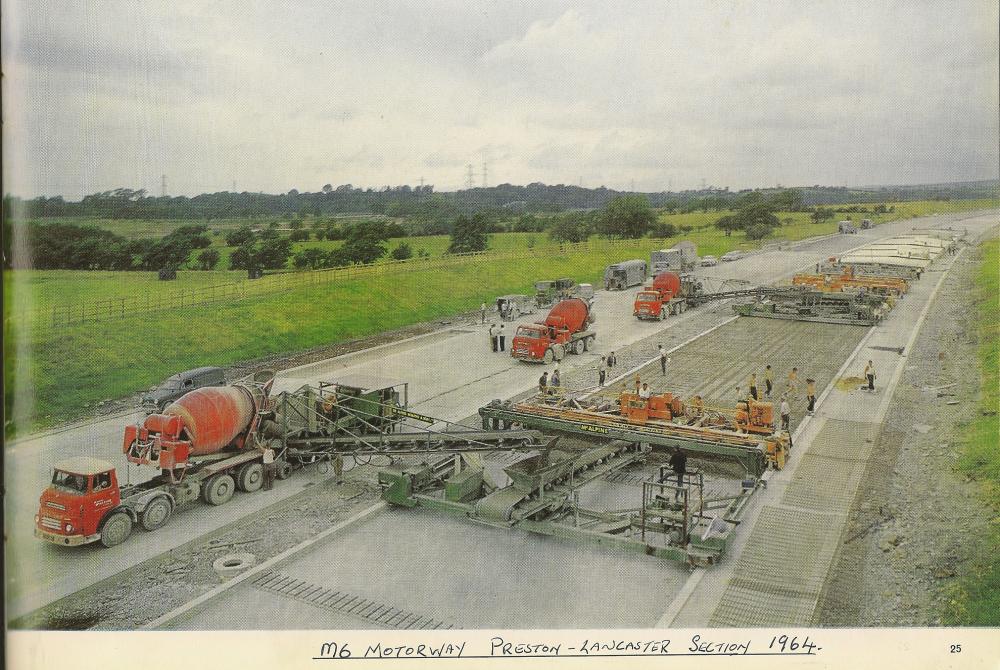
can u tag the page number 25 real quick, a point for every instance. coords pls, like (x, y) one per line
(956, 649)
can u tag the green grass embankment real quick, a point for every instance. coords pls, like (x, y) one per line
(976, 599)
(63, 373)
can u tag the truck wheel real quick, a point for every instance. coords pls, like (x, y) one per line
(156, 514)
(588, 343)
(559, 351)
(547, 358)
(116, 529)
(218, 489)
(283, 469)
(250, 477)
(578, 347)
(663, 313)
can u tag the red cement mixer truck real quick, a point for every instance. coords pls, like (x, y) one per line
(565, 329)
(666, 295)
(207, 444)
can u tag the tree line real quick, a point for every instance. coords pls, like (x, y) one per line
(61, 246)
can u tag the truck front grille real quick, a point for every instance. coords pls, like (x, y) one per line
(50, 523)
(55, 505)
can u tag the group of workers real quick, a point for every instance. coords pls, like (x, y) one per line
(791, 388)
(549, 385)
(498, 337)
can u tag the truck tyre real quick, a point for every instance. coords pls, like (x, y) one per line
(156, 513)
(116, 529)
(663, 313)
(559, 351)
(547, 358)
(283, 469)
(578, 347)
(250, 477)
(219, 489)
(588, 343)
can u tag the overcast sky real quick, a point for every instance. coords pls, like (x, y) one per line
(277, 95)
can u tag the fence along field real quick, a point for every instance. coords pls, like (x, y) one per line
(67, 314)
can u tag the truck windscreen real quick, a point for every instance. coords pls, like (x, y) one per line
(67, 480)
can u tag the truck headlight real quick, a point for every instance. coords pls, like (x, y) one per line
(69, 528)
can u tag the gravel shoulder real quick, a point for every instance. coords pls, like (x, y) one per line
(917, 524)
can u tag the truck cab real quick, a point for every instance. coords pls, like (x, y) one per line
(648, 305)
(81, 493)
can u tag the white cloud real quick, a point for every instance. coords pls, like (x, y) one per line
(282, 96)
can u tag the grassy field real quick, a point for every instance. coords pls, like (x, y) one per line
(63, 373)
(976, 602)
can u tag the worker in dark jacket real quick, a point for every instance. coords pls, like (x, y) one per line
(543, 382)
(678, 463)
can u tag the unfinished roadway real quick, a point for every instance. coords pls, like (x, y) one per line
(417, 569)
(433, 566)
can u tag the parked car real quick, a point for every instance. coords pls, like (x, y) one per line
(732, 256)
(175, 386)
(709, 261)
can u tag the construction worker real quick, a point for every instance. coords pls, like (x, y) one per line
(638, 383)
(793, 382)
(543, 382)
(663, 360)
(768, 380)
(493, 337)
(482, 313)
(753, 385)
(811, 394)
(502, 335)
(602, 372)
(338, 468)
(612, 360)
(645, 392)
(678, 463)
(269, 468)
(554, 382)
(870, 375)
(786, 413)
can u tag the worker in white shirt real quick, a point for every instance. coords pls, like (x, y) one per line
(786, 413)
(269, 469)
